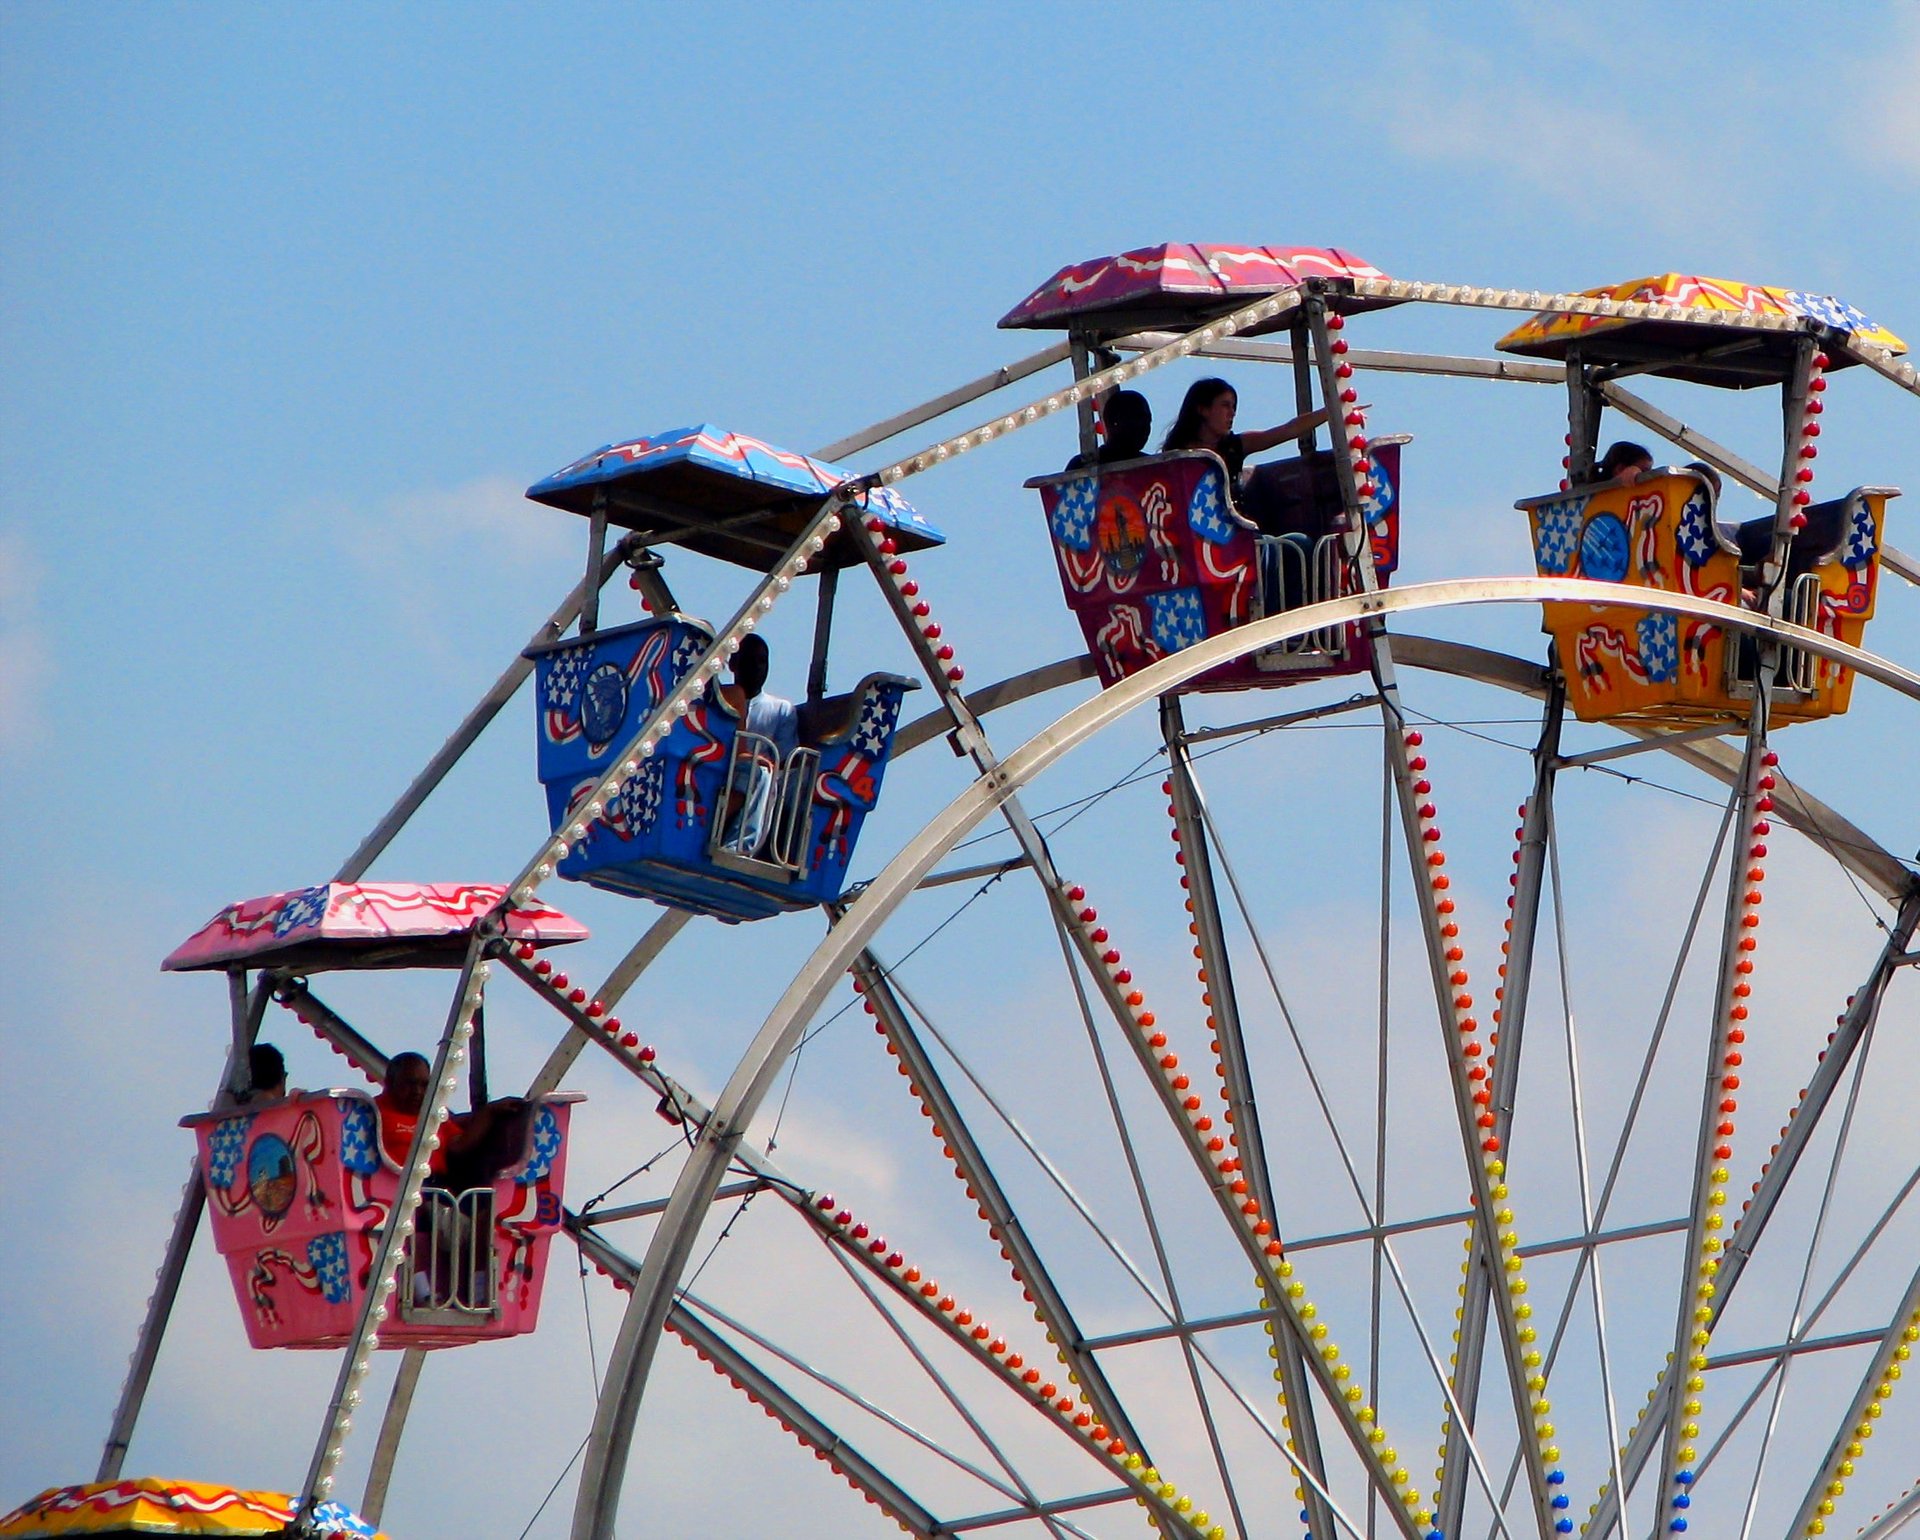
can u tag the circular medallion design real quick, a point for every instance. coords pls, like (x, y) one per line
(1604, 548)
(270, 1175)
(603, 704)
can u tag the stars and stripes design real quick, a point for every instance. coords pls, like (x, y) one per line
(327, 1256)
(304, 908)
(560, 682)
(1659, 647)
(1178, 618)
(1695, 536)
(225, 1145)
(1383, 493)
(1207, 514)
(360, 1155)
(582, 699)
(546, 1145)
(359, 1138)
(1861, 543)
(1829, 311)
(1075, 505)
(1557, 535)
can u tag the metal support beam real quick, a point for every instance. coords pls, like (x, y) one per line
(1666, 742)
(389, 1255)
(768, 1393)
(1707, 1193)
(297, 996)
(1802, 1122)
(503, 689)
(1510, 1017)
(246, 1007)
(638, 959)
(1223, 1020)
(386, 1449)
(1876, 1384)
(1409, 792)
(951, 1129)
(940, 405)
(1903, 1511)
(591, 1217)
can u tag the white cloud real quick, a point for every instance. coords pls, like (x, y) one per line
(1452, 104)
(23, 649)
(1884, 115)
(440, 566)
(491, 512)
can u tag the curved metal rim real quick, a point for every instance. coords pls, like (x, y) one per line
(671, 1243)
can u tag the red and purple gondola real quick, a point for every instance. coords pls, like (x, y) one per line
(1159, 553)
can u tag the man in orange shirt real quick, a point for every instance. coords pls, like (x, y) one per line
(474, 1148)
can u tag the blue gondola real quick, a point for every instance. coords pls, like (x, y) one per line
(718, 820)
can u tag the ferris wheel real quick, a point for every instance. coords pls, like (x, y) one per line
(1353, 1045)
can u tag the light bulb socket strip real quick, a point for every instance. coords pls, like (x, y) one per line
(839, 1225)
(1708, 1230)
(1494, 298)
(1805, 406)
(588, 1012)
(1215, 1149)
(1472, 1063)
(1217, 999)
(1884, 361)
(377, 1308)
(1257, 312)
(883, 1005)
(714, 1350)
(1849, 1447)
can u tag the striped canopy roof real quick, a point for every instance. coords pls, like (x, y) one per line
(1179, 277)
(1638, 339)
(154, 1506)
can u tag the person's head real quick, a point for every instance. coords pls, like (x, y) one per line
(1706, 473)
(267, 1069)
(406, 1082)
(750, 664)
(1206, 415)
(1129, 420)
(1624, 462)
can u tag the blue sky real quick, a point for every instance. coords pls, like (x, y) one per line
(294, 302)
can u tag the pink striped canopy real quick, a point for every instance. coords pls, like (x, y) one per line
(363, 924)
(1179, 275)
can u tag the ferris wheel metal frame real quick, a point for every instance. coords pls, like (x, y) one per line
(1240, 1182)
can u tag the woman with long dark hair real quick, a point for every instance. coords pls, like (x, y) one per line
(1206, 422)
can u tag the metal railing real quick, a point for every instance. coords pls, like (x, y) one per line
(764, 815)
(450, 1258)
(1800, 669)
(1297, 571)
